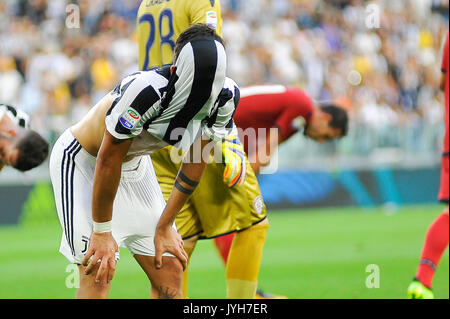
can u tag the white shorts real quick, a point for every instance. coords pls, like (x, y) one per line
(137, 207)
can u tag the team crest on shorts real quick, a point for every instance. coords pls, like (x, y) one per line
(258, 204)
(211, 19)
(130, 118)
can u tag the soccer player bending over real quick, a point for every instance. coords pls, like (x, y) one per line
(20, 147)
(104, 184)
(436, 240)
(214, 208)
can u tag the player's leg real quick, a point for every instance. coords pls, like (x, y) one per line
(223, 244)
(70, 167)
(436, 242)
(138, 207)
(89, 289)
(166, 282)
(189, 246)
(240, 209)
(187, 221)
(244, 261)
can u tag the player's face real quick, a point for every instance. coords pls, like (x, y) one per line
(319, 128)
(8, 153)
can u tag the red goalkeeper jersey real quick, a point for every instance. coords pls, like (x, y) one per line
(285, 108)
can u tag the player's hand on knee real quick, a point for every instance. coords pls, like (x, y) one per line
(167, 240)
(102, 249)
(234, 160)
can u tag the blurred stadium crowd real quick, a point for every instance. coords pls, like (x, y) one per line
(388, 77)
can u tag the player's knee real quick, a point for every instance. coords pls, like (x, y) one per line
(175, 269)
(89, 288)
(168, 282)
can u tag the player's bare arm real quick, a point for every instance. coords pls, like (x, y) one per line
(106, 182)
(110, 153)
(166, 238)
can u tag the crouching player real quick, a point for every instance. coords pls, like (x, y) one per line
(20, 147)
(436, 240)
(104, 184)
(288, 110)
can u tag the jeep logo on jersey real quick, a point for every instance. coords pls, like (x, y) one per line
(211, 19)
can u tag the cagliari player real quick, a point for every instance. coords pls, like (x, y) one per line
(159, 24)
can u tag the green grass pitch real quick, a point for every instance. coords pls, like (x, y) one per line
(308, 254)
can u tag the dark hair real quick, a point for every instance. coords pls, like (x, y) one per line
(195, 32)
(339, 117)
(33, 150)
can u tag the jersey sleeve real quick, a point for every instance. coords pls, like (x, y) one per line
(19, 117)
(23, 119)
(295, 114)
(125, 118)
(207, 12)
(220, 124)
(444, 66)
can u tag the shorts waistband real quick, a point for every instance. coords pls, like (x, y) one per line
(131, 167)
(67, 138)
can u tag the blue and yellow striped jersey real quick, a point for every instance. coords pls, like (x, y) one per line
(160, 22)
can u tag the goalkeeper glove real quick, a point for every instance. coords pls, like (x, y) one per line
(235, 161)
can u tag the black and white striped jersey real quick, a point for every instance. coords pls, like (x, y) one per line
(174, 108)
(19, 117)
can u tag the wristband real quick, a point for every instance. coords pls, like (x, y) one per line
(105, 227)
(183, 189)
